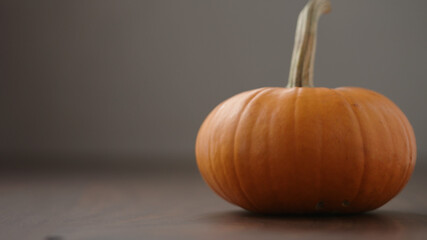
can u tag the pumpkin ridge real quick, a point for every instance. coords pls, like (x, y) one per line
(320, 171)
(381, 114)
(268, 160)
(409, 143)
(408, 128)
(362, 137)
(297, 96)
(295, 122)
(244, 108)
(412, 158)
(213, 177)
(266, 138)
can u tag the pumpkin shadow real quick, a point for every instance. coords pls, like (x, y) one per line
(375, 224)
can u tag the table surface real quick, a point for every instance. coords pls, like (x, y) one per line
(177, 204)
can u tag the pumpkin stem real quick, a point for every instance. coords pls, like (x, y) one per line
(301, 72)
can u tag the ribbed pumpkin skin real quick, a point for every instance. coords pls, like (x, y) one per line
(306, 150)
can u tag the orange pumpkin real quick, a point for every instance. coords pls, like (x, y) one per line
(303, 149)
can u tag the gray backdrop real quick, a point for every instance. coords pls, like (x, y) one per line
(137, 78)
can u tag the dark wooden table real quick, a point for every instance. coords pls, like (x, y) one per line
(177, 204)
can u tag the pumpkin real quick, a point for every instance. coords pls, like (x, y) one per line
(305, 149)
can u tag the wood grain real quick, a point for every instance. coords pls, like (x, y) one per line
(177, 204)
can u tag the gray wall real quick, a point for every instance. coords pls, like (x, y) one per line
(138, 77)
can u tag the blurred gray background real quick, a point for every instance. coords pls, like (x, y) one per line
(133, 80)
